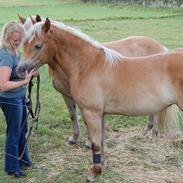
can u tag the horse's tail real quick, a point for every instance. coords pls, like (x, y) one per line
(169, 120)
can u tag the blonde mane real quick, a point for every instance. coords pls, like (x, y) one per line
(111, 56)
(28, 23)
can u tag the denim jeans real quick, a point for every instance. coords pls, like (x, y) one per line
(15, 113)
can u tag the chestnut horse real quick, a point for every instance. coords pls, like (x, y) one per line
(101, 80)
(133, 46)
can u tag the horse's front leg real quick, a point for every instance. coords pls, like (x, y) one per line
(102, 141)
(88, 141)
(93, 120)
(71, 105)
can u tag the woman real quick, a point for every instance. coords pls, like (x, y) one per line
(12, 100)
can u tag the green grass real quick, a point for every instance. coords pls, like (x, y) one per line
(167, 31)
(103, 23)
(76, 11)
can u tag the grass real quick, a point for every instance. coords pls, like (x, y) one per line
(76, 11)
(158, 29)
(130, 157)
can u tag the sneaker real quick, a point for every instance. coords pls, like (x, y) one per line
(17, 174)
(27, 164)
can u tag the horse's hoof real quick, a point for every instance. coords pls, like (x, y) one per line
(94, 171)
(72, 142)
(152, 136)
(90, 177)
(149, 134)
(144, 132)
(103, 162)
(89, 180)
(87, 144)
(73, 139)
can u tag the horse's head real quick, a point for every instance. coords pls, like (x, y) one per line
(38, 47)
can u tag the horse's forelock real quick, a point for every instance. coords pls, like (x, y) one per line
(28, 23)
(34, 30)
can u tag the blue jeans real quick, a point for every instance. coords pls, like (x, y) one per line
(15, 113)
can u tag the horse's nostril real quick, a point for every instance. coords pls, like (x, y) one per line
(20, 70)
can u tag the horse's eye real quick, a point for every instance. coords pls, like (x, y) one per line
(38, 46)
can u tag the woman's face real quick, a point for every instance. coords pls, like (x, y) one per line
(15, 40)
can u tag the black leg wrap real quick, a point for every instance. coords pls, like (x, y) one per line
(96, 158)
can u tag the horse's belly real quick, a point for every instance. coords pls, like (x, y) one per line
(140, 101)
(132, 111)
(137, 106)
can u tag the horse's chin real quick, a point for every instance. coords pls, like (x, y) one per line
(21, 69)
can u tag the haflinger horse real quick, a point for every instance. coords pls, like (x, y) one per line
(101, 80)
(132, 46)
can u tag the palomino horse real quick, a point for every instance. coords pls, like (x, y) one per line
(101, 80)
(133, 46)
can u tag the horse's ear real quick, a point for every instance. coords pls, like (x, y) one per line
(46, 25)
(32, 20)
(22, 19)
(38, 18)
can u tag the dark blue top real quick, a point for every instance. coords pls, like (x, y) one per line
(11, 60)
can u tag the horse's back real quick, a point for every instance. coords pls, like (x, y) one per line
(135, 46)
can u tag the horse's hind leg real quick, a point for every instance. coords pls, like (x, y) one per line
(166, 121)
(71, 105)
(156, 125)
(149, 126)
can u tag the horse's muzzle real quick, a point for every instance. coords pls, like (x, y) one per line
(22, 68)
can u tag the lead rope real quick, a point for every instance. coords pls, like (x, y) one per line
(35, 114)
(28, 100)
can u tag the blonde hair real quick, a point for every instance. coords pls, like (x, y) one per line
(7, 32)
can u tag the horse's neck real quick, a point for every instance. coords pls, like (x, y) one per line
(56, 72)
(59, 79)
(74, 54)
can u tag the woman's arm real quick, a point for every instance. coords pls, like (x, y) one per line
(6, 84)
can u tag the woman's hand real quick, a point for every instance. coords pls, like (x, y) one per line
(29, 75)
(6, 84)
(36, 73)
